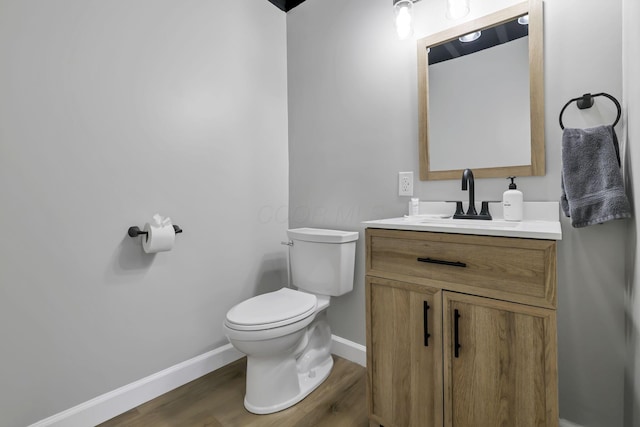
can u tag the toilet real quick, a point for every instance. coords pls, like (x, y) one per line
(285, 334)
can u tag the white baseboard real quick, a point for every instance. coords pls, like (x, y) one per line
(113, 403)
(565, 423)
(357, 353)
(116, 402)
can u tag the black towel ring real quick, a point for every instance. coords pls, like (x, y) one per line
(586, 101)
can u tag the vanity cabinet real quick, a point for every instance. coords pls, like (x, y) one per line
(461, 330)
(404, 354)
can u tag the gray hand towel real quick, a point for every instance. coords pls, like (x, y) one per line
(591, 180)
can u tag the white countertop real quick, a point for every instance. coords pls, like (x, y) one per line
(541, 221)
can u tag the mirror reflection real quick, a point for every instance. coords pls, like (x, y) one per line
(471, 83)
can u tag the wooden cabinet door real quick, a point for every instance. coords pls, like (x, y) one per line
(404, 364)
(504, 371)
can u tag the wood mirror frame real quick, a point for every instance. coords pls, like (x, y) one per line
(536, 91)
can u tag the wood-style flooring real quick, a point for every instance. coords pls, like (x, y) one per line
(216, 400)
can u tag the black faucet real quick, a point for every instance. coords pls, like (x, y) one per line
(469, 184)
(467, 181)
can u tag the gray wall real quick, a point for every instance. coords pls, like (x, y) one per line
(631, 108)
(110, 112)
(353, 127)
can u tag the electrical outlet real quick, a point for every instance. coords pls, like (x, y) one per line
(405, 183)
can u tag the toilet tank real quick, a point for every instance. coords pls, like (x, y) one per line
(323, 261)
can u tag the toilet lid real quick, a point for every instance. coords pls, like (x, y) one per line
(272, 310)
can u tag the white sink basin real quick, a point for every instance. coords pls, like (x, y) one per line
(450, 222)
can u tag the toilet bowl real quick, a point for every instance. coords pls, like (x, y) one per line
(288, 347)
(285, 334)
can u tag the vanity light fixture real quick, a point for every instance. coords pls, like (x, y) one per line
(403, 11)
(524, 20)
(470, 37)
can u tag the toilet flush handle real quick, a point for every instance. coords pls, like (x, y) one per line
(289, 243)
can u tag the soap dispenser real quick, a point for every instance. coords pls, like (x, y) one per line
(512, 202)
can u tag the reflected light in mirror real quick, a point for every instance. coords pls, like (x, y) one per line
(471, 37)
(523, 20)
(457, 9)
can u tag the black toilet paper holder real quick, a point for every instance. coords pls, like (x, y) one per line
(135, 231)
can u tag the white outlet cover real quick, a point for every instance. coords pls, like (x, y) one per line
(405, 183)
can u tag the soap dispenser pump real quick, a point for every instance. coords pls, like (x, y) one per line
(512, 202)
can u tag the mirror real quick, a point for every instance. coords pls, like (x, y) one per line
(483, 108)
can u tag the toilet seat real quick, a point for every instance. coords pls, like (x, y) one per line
(271, 310)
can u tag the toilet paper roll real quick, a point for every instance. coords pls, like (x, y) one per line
(158, 239)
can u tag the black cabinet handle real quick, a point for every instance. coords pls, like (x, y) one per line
(425, 310)
(443, 262)
(456, 335)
